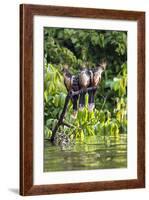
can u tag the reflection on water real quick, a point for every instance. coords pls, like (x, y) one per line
(93, 153)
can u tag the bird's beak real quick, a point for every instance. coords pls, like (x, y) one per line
(64, 68)
(103, 69)
(103, 64)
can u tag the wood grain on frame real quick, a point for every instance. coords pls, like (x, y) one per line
(26, 99)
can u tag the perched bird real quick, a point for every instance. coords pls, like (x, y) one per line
(95, 75)
(84, 81)
(67, 78)
(72, 83)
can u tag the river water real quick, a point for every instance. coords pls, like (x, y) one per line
(92, 153)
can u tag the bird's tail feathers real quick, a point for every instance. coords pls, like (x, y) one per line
(75, 106)
(82, 101)
(91, 106)
(91, 100)
(74, 114)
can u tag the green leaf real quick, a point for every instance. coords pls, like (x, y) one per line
(82, 135)
(46, 96)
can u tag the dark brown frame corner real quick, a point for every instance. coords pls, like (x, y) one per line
(27, 13)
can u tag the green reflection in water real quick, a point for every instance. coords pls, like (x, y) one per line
(92, 153)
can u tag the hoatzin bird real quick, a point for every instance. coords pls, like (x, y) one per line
(71, 83)
(84, 81)
(95, 75)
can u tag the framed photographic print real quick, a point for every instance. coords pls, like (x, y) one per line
(82, 99)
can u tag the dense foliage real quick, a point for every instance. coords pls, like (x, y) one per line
(76, 47)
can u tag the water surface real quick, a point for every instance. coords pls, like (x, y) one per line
(92, 153)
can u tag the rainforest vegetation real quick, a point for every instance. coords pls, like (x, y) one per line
(76, 47)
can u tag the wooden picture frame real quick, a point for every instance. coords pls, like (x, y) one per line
(27, 12)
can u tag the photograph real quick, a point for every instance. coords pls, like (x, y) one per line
(85, 99)
(82, 99)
